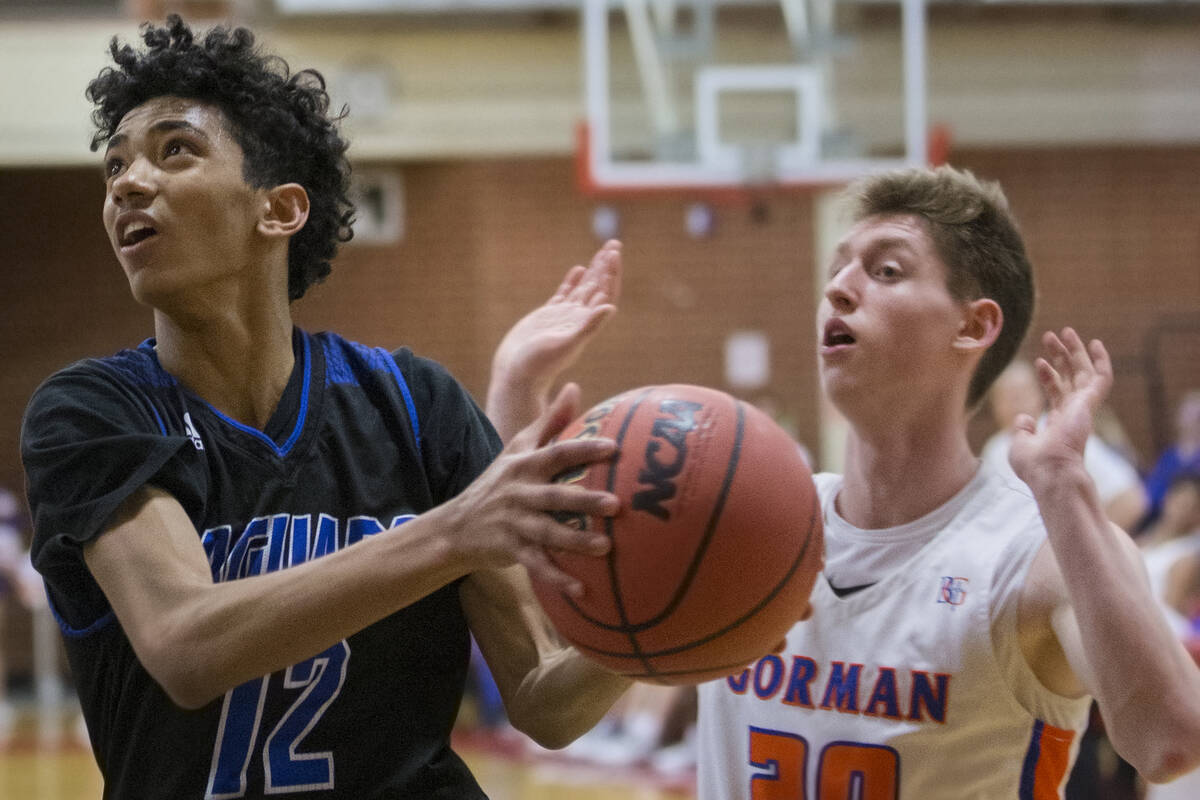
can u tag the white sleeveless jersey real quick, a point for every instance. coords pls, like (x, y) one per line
(913, 688)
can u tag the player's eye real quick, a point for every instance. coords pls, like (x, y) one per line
(178, 146)
(888, 271)
(112, 167)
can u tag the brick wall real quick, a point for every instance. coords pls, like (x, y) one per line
(1114, 234)
(488, 241)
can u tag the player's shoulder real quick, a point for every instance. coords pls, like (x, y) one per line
(1002, 486)
(826, 481)
(125, 376)
(137, 366)
(347, 361)
(1002, 509)
(828, 484)
(423, 384)
(127, 391)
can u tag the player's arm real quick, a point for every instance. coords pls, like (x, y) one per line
(1089, 586)
(550, 691)
(547, 340)
(198, 638)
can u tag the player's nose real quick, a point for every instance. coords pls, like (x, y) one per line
(133, 184)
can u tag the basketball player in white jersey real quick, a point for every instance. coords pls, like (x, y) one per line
(964, 619)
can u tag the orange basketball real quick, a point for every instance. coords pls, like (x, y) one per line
(715, 548)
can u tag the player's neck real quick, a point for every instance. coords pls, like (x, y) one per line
(239, 363)
(901, 475)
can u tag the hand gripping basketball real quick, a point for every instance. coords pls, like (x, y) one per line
(506, 515)
(714, 550)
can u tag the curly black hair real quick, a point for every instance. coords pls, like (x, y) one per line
(281, 121)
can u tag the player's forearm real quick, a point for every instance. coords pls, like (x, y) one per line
(207, 638)
(513, 400)
(551, 693)
(510, 412)
(565, 698)
(1147, 688)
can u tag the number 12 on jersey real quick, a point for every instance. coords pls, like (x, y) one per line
(845, 770)
(317, 682)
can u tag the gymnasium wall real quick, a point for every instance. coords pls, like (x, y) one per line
(1113, 232)
(486, 241)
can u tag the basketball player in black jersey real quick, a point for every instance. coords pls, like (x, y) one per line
(267, 548)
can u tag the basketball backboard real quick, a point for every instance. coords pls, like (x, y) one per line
(737, 94)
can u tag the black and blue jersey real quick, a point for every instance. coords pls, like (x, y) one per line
(362, 440)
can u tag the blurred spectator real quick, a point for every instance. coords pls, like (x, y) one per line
(650, 725)
(1171, 548)
(1109, 428)
(1182, 456)
(15, 571)
(1016, 391)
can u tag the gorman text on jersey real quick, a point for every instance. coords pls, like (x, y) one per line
(912, 695)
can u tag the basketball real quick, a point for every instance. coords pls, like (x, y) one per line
(716, 546)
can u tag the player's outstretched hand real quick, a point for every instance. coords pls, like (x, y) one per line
(505, 515)
(548, 340)
(1076, 379)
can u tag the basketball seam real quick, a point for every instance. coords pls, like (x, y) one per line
(689, 575)
(624, 627)
(735, 457)
(721, 632)
(637, 652)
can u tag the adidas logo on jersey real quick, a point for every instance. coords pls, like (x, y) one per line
(191, 431)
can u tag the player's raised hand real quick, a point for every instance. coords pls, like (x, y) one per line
(1076, 379)
(506, 515)
(549, 339)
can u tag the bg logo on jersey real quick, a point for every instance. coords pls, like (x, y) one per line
(953, 591)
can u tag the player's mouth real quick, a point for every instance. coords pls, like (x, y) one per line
(133, 229)
(837, 336)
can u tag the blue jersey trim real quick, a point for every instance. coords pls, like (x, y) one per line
(303, 415)
(79, 633)
(408, 401)
(1029, 768)
(128, 365)
(157, 418)
(337, 368)
(285, 448)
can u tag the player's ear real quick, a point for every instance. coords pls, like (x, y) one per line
(980, 326)
(284, 210)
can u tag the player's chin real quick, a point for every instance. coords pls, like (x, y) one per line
(836, 383)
